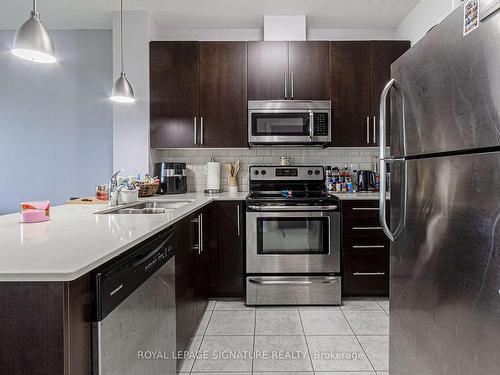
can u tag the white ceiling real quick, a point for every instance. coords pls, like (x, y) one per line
(90, 14)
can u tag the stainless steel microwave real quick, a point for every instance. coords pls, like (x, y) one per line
(289, 122)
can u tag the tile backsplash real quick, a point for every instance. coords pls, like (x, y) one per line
(195, 159)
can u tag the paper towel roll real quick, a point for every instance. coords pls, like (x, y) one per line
(213, 175)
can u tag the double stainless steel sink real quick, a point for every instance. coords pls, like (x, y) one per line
(147, 208)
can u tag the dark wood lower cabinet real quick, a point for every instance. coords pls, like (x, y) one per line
(45, 328)
(229, 280)
(365, 250)
(185, 282)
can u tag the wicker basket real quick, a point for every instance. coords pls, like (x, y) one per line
(147, 189)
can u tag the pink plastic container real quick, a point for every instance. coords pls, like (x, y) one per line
(35, 212)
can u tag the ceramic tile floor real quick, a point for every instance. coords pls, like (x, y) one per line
(292, 340)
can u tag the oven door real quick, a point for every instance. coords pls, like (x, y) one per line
(285, 241)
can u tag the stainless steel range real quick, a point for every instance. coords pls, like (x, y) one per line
(293, 238)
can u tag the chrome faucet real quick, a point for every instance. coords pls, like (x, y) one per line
(114, 191)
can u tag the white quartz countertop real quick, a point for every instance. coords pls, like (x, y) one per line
(76, 240)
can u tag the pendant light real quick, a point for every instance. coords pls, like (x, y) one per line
(122, 89)
(32, 42)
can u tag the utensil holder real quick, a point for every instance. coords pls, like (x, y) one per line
(233, 184)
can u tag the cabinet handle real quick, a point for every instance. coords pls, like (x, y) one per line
(200, 233)
(368, 273)
(367, 129)
(366, 228)
(194, 130)
(201, 130)
(368, 246)
(365, 208)
(286, 87)
(292, 83)
(374, 129)
(238, 219)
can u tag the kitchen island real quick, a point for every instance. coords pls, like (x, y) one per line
(77, 240)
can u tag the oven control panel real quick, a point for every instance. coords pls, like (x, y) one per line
(281, 173)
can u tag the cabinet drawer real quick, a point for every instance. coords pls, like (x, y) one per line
(366, 244)
(366, 274)
(365, 213)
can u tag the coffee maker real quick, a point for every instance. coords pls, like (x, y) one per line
(172, 177)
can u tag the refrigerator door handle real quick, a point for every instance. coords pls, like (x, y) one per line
(384, 160)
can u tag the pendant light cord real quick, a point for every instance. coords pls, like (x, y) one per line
(121, 32)
(34, 5)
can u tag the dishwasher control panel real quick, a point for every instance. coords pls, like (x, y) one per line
(120, 277)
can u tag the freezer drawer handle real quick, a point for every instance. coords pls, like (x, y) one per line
(368, 273)
(366, 228)
(305, 281)
(384, 160)
(365, 208)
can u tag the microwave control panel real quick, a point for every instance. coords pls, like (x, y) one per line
(320, 123)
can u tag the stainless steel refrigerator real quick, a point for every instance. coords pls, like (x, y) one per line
(444, 106)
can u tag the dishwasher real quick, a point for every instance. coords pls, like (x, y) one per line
(133, 330)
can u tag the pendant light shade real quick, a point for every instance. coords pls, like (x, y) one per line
(122, 89)
(32, 42)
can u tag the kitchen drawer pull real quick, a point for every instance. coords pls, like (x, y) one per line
(368, 247)
(368, 273)
(366, 228)
(365, 208)
(290, 281)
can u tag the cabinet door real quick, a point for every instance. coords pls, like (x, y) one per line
(174, 93)
(309, 65)
(204, 258)
(223, 94)
(350, 93)
(267, 68)
(185, 296)
(230, 255)
(382, 55)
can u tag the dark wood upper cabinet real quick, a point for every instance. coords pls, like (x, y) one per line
(350, 93)
(223, 94)
(309, 66)
(288, 70)
(382, 55)
(359, 71)
(174, 93)
(267, 69)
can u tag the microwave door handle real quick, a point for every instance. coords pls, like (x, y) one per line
(286, 86)
(311, 125)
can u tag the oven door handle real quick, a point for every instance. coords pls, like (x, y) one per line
(294, 208)
(304, 281)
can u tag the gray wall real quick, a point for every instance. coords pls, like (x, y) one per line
(56, 121)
